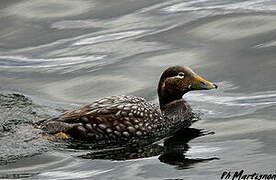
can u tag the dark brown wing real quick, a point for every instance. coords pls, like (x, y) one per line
(112, 117)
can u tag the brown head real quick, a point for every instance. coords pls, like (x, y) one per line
(178, 80)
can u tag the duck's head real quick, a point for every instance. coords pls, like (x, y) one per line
(178, 80)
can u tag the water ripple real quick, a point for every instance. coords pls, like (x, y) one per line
(73, 175)
(40, 9)
(198, 5)
(109, 37)
(25, 62)
(231, 104)
(266, 44)
(240, 27)
(268, 98)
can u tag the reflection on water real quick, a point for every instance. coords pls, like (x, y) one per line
(174, 147)
(65, 53)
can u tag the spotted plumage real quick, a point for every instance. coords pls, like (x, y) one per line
(129, 119)
(115, 117)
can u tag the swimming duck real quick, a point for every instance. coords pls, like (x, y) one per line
(128, 119)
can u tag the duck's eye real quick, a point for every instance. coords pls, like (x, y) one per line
(181, 75)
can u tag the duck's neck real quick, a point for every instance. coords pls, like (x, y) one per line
(168, 96)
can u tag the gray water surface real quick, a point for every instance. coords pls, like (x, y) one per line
(57, 55)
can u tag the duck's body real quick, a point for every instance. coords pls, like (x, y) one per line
(120, 119)
(128, 119)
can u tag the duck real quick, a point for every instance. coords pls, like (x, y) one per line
(125, 119)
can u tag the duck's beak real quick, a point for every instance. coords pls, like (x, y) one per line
(199, 83)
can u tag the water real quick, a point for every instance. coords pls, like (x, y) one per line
(57, 55)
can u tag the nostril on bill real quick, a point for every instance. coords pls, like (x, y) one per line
(202, 83)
